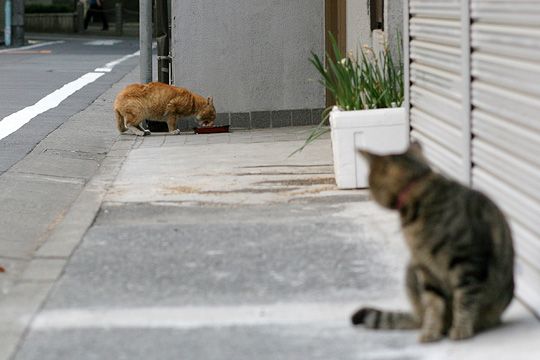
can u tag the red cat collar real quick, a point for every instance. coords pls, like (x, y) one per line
(403, 195)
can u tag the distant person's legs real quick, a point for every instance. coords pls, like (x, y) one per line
(89, 15)
(96, 11)
(104, 19)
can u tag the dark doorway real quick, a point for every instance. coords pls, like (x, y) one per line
(377, 14)
(335, 22)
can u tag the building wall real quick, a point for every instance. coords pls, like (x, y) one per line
(473, 103)
(393, 25)
(358, 25)
(250, 55)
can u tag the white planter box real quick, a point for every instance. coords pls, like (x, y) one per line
(381, 131)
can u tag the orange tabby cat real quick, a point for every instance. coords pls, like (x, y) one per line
(160, 102)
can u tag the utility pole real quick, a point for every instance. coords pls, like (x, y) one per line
(145, 57)
(8, 9)
(17, 23)
(163, 36)
(145, 40)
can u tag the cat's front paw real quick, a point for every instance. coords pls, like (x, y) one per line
(430, 336)
(461, 332)
(175, 132)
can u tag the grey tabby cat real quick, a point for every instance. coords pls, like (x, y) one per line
(460, 275)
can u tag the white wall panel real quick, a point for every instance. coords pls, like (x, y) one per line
(438, 129)
(517, 74)
(477, 112)
(434, 103)
(438, 45)
(506, 125)
(443, 159)
(436, 55)
(436, 8)
(511, 136)
(436, 30)
(513, 40)
(518, 107)
(520, 208)
(507, 11)
(444, 83)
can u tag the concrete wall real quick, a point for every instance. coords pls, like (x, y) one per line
(251, 55)
(358, 25)
(393, 24)
(51, 22)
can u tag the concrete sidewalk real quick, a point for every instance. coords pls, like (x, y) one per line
(222, 247)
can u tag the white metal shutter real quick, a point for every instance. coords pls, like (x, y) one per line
(506, 124)
(437, 45)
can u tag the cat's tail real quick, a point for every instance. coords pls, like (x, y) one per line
(379, 319)
(120, 121)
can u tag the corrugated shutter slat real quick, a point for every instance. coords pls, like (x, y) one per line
(439, 156)
(515, 171)
(516, 74)
(474, 104)
(442, 82)
(436, 82)
(512, 12)
(514, 106)
(504, 132)
(506, 145)
(440, 31)
(436, 55)
(439, 130)
(435, 8)
(512, 40)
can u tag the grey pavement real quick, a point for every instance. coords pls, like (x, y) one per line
(47, 163)
(28, 74)
(217, 247)
(44, 168)
(39, 189)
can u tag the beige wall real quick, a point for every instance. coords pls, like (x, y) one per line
(393, 23)
(359, 27)
(251, 55)
(358, 24)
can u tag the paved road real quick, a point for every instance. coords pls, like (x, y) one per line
(29, 74)
(46, 162)
(204, 247)
(220, 247)
(278, 269)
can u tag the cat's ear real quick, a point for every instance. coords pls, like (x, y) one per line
(210, 100)
(415, 149)
(367, 155)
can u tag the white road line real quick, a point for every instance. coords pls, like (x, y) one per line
(195, 317)
(109, 66)
(32, 46)
(107, 42)
(15, 121)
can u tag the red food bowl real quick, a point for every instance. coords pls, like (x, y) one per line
(211, 130)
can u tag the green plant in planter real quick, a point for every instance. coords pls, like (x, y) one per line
(367, 81)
